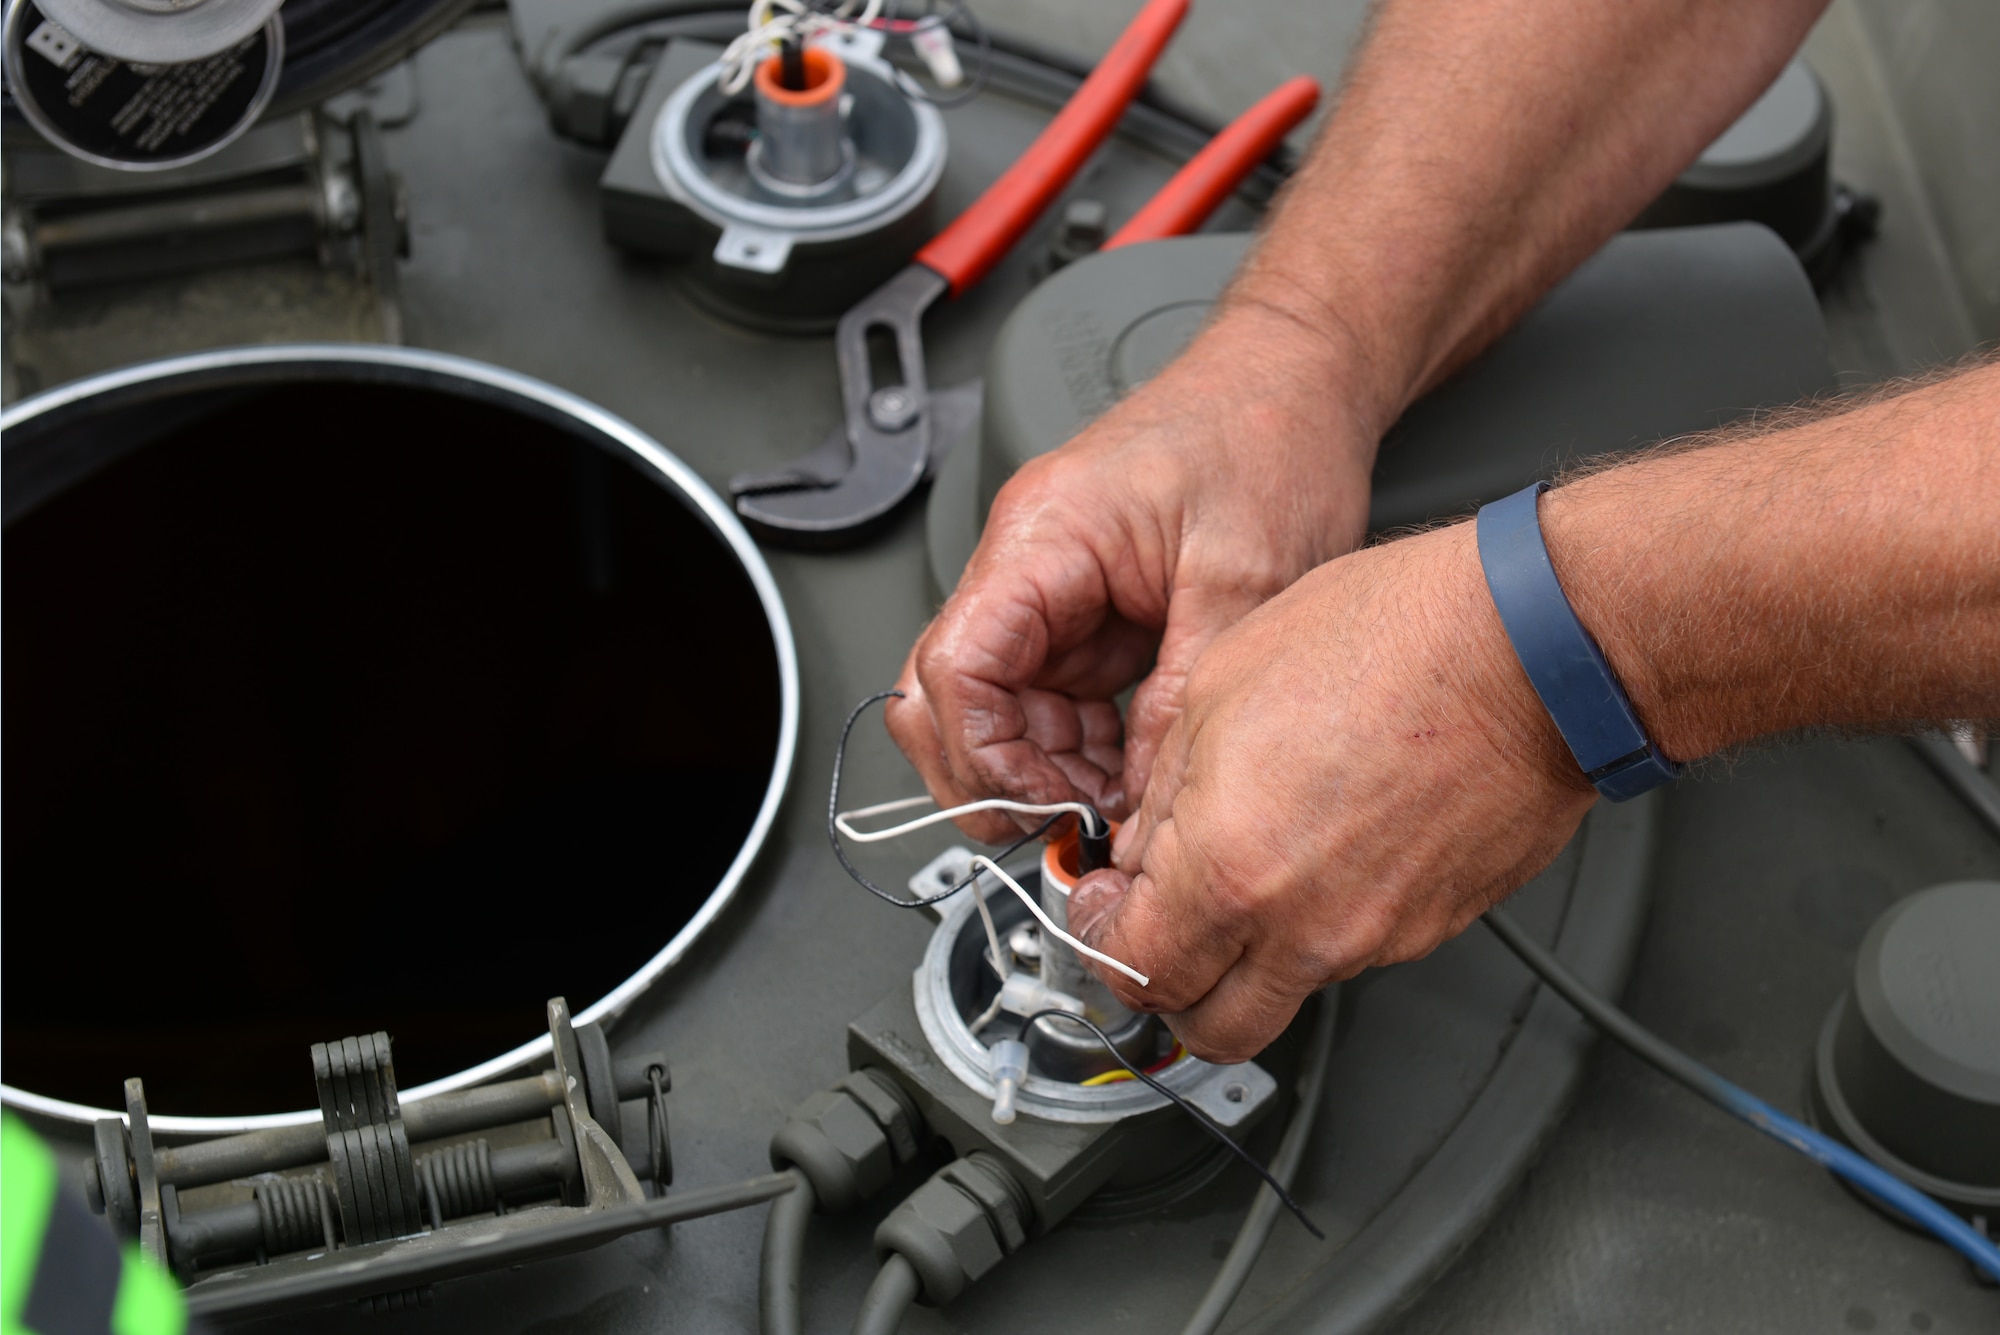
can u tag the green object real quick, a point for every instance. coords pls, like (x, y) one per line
(50, 1250)
(27, 1189)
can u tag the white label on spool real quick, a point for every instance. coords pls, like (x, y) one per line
(54, 44)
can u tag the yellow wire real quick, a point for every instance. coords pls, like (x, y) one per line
(1113, 1077)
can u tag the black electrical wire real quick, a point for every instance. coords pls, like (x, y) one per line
(784, 1258)
(1740, 1103)
(833, 830)
(889, 1298)
(1263, 1213)
(1201, 1118)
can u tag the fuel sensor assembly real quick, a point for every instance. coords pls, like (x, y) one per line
(1004, 1045)
(795, 183)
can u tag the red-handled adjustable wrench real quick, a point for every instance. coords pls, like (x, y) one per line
(884, 447)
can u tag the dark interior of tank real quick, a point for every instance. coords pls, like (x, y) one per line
(351, 707)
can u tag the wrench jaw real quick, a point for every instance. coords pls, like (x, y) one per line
(815, 501)
(788, 505)
(824, 467)
(884, 471)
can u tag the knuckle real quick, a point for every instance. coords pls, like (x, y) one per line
(1033, 485)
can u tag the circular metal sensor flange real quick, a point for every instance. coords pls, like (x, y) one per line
(1228, 1095)
(137, 114)
(1907, 1068)
(160, 32)
(427, 627)
(789, 253)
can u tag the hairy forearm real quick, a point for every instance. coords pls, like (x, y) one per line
(1480, 149)
(1844, 571)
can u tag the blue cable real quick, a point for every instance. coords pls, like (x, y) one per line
(1884, 1186)
(1844, 1163)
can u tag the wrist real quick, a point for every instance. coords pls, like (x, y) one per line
(1369, 341)
(1563, 661)
(1293, 352)
(1621, 565)
(1482, 664)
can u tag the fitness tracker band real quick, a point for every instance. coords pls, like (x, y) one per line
(1563, 663)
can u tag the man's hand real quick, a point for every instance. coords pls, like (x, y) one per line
(1361, 769)
(1210, 489)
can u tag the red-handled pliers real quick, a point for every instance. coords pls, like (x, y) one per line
(885, 445)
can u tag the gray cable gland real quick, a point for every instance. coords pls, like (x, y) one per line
(971, 1215)
(850, 1139)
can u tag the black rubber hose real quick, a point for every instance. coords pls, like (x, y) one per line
(784, 1257)
(1966, 779)
(889, 1298)
(1257, 1224)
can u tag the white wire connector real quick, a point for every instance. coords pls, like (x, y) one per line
(771, 22)
(1007, 1061)
(933, 42)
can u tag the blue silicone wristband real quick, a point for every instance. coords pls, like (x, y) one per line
(1563, 663)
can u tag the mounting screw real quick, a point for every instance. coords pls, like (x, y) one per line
(893, 409)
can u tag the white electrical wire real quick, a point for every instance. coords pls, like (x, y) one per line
(1048, 925)
(841, 819)
(793, 19)
(997, 955)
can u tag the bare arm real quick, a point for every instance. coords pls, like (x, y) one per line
(1363, 768)
(1845, 572)
(1480, 149)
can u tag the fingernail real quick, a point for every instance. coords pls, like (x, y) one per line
(1121, 842)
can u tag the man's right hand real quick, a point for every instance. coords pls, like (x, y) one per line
(1210, 489)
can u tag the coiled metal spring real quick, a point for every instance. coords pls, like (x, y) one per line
(459, 1180)
(293, 1214)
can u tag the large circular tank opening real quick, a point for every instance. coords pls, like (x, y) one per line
(351, 690)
